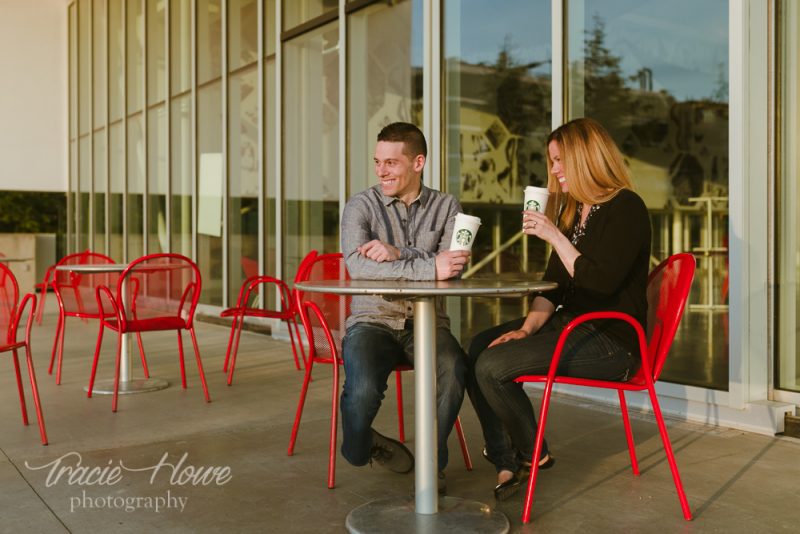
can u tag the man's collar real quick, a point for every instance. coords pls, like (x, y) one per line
(424, 195)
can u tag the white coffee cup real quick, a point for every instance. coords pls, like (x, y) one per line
(464, 231)
(536, 198)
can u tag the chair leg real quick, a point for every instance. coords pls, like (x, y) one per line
(40, 308)
(673, 466)
(401, 426)
(19, 387)
(463, 442)
(294, 347)
(181, 359)
(199, 365)
(230, 344)
(334, 427)
(61, 351)
(299, 339)
(141, 355)
(96, 358)
(235, 349)
(537, 452)
(59, 329)
(623, 406)
(35, 392)
(117, 367)
(300, 404)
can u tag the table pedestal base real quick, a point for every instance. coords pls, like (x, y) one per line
(139, 385)
(396, 514)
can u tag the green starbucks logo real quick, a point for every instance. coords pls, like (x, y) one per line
(533, 205)
(464, 237)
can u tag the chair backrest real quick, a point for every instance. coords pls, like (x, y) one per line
(305, 264)
(667, 292)
(159, 286)
(322, 339)
(335, 308)
(9, 295)
(76, 291)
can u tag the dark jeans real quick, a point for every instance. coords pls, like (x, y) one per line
(371, 352)
(503, 408)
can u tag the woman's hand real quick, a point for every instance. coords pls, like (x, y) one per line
(508, 336)
(535, 223)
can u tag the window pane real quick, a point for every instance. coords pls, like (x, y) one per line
(85, 185)
(789, 190)
(135, 198)
(243, 180)
(116, 59)
(311, 145)
(156, 53)
(210, 191)
(385, 86)
(73, 76)
(299, 11)
(181, 163)
(135, 55)
(658, 80)
(99, 62)
(497, 116)
(116, 162)
(270, 170)
(100, 192)
(269, 27)
(242, 33)
(209, 40)
(84, 66)
(157, 239)
(180, 46)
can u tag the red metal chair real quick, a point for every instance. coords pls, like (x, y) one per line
(75, 293)
(323, 316)
(10, 317)
(287, 312)
(667, 291)
(155, 292)
(43, 287)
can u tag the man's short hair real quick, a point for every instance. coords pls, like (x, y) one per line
(403, 132)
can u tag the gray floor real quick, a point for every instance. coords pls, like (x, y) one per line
(735, 481)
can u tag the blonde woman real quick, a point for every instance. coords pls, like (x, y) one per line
(599, 230)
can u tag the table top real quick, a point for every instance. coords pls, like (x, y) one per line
(90, 268)
(14, 259)
(486, 287)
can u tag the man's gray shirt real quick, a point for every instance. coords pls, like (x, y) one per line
(419, 231)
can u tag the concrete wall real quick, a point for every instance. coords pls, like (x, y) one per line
(33, 95)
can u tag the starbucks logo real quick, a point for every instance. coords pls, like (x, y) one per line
(463, 237)
(533, 205)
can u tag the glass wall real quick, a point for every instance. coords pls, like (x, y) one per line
(788, 173)
(658, 80)
(497, 116)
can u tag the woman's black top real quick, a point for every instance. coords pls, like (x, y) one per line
(611, 272)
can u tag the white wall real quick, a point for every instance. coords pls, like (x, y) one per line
(33, 95)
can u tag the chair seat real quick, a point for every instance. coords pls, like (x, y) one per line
(148, 325)
(637, 383)
(257, 312)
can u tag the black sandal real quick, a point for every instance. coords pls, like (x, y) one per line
(509, 488)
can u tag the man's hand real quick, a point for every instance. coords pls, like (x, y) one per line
(450, 263)
(508, 336)
(379, 251)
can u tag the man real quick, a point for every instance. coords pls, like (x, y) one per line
(397, 230)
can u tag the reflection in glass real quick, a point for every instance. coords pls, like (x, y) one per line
(156, 52)
(99, 192)
(181, 163)
(180, 46)
(299, 11)
(788, 295)
(135, 197)
(270, 126)
(210, 192)
(242, 33)
(99, 61)
(497, 117)
(658, 80)
(269, 27)
(116, 59)
(209, 40)
(116, 154)
(135, 54)
(311, 145)
(384, 86)
(157, 239)
(85, 191)
(73, 126)
(84, 66)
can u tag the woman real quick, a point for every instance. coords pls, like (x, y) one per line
(599, 230)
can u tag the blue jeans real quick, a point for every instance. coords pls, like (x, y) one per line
(371, 352)
(504, 409)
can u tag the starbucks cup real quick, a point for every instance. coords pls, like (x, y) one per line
(536, 198)
(464, 232)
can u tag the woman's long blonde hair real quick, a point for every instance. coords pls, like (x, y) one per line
(593, 167)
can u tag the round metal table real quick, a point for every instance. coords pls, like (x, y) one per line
(425, 512)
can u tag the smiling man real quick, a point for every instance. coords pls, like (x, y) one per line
(397, 230)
